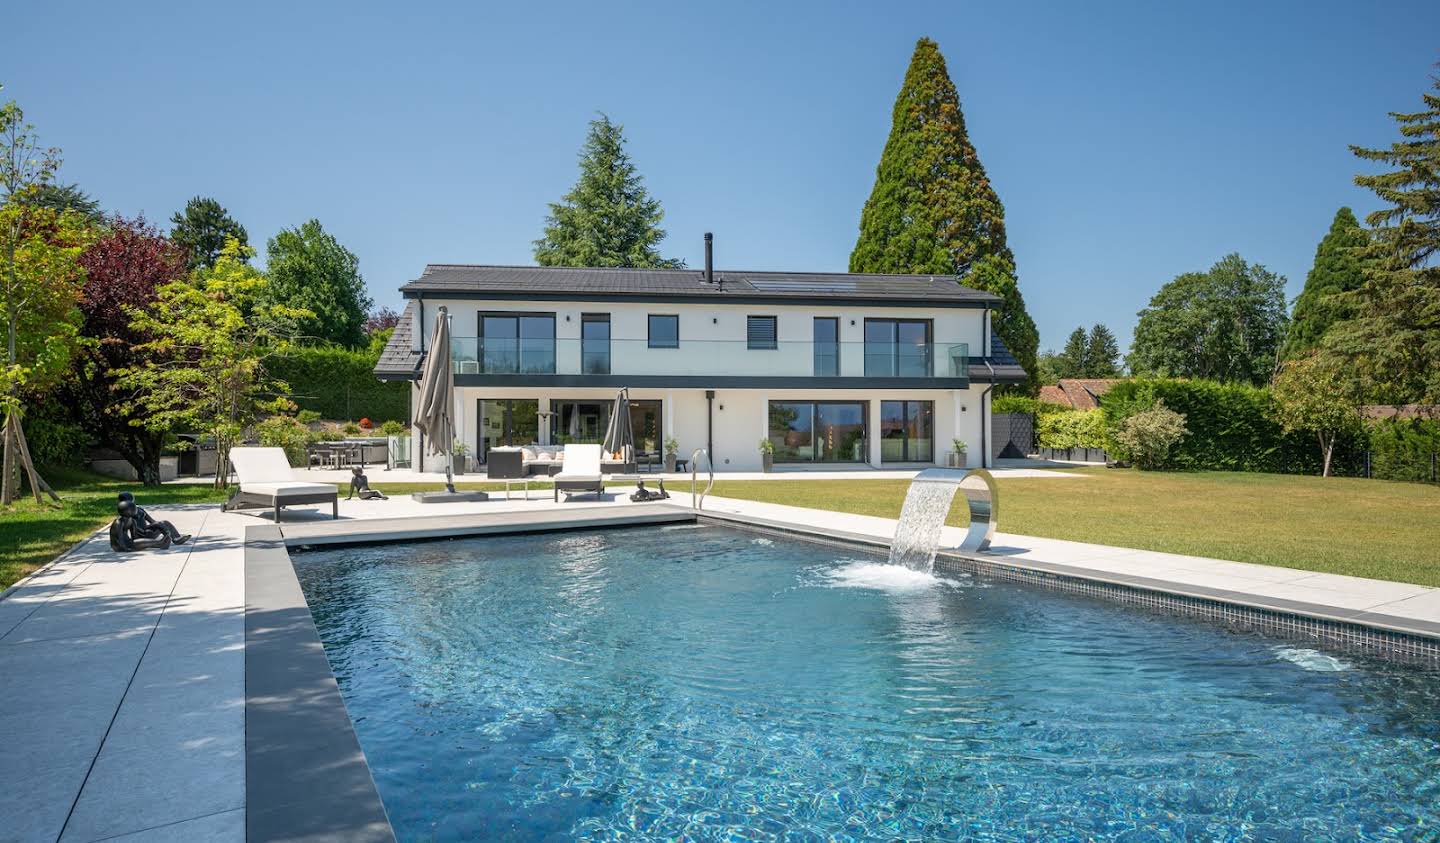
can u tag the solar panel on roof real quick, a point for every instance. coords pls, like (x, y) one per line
(803, 285)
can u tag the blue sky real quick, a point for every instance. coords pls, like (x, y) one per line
(1129, 141)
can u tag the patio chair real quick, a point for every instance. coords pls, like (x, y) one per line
(581, 472)
(507, 464)
(267, 480)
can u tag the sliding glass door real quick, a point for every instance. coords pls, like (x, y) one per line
(580, 420)
(818, 431)
(897, 348)
(907, 431)
(507, 422)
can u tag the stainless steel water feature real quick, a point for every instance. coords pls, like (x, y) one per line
(697, 499)
(927, 503)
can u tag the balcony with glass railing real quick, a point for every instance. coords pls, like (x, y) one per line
(574, 356)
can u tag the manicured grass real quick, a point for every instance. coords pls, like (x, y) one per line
(30, 535)
(1365, 528)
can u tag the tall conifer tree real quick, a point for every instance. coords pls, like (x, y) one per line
(1102, 353)
(1337, 269)
(1071, 362)
(1391, 340)
(608, 218)
(933, 210)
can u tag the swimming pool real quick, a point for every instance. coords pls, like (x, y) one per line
(711, 682)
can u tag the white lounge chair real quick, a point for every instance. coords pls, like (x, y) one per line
(581, 472)
(266, 479)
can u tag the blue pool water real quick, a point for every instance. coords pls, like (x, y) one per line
(709, 683)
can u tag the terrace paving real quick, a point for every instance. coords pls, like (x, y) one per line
(123, 703)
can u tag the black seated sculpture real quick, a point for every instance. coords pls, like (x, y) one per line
(149, 528)
(643, 494)
(360, 485)
(125, 532)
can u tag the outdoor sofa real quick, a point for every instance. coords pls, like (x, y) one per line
(581, 471)
(267, 480)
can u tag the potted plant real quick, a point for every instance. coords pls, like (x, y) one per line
(957, 456)
(671, 449)
(458, 455)
(767, 455)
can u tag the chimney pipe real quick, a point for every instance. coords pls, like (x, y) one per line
(709, 258)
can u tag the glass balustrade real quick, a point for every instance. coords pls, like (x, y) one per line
(573, 356)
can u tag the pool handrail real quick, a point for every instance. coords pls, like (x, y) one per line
(698, 503)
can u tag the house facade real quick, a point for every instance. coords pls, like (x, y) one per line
(832, 369)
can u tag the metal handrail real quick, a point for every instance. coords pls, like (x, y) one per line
(699, 502)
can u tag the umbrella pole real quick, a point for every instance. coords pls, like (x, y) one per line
(449, 475)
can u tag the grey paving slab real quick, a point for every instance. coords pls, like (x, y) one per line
(225, 827)
(1422, 606)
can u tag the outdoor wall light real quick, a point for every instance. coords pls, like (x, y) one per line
(714, 320)
(852, 323)
(567, 317)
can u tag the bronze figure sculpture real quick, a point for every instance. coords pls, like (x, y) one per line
(360, 486)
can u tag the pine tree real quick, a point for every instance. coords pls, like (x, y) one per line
(203, 229)
(1391, 340)
(1102, 353)
(933, 210)
(1338, 268)
(608, 218)
(1071, 362)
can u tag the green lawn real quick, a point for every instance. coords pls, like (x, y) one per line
(1366, 528)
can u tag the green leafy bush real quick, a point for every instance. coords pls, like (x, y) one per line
(1402, 449)
(1071, 429)
(340, 383)
(1231, 427)
(54, 442)
(286, 432)
(1024, 404)
(308, 416)
(1147, 438)
(351, 428)
(393, 428)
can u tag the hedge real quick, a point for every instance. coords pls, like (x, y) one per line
(1404, 449)
(340, 383)
(1231, 426)
(1073, 429)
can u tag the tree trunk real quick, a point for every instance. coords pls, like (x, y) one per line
(7, 483)
(1328, 448)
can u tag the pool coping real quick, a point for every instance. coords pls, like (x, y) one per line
(306, 776)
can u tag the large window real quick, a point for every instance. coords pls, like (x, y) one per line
(827, 347)
(664, 331)
(760, 332)
(517, 343)
(818, 431)
(897, 348)
(595, 343)
(907, 431)
(506, 421)
(575, 420)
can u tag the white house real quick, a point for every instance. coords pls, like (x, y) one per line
(831, 368)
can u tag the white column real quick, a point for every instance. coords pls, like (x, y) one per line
(669, 424)
(764, 416)
(872, 409)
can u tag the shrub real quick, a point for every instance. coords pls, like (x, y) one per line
(286, 432)
(393, 428)
(350, 428)
(54, 442)
(1231, 427)
(1072, 429)
(1147, 437)
(340, 383)
(1402, 449)
(308, 416)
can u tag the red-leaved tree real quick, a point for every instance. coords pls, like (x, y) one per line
(125, 267)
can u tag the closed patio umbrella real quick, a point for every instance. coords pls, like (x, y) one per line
(619, 438)
(435, 414)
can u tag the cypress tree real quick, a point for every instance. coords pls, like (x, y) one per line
(1338, 268)
(933, 210)
(608, 218)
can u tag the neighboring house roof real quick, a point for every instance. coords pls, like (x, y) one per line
(1401, 411)
(1079, 393)
(399, 359)
(519, 282)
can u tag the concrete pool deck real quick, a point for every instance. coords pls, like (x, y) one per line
(123, 708)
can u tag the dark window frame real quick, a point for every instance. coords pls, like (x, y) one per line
(480, 317)
(816, 344)
(815, 404)
(919, 404)
(585, 351)
(774, 343)
(895, 344)
(650, 341)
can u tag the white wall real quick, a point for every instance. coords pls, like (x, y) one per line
(712, 336)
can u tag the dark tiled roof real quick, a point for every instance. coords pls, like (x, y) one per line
(400, 359)
(1007, 368)
(627, 283)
